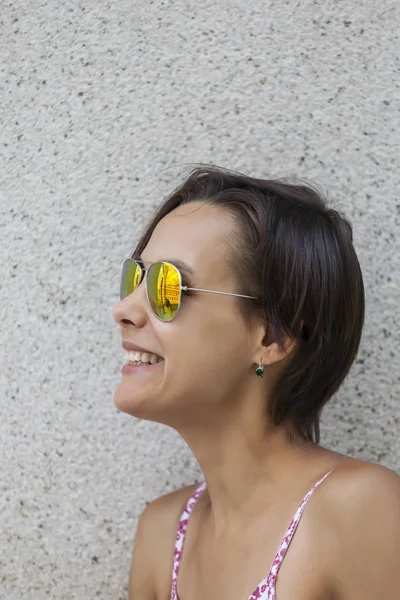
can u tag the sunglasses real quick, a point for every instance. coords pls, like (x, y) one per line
(163, 287)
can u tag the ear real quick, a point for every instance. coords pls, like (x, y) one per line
(268, 350)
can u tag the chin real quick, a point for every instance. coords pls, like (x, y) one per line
(127, 403)
(140, 406)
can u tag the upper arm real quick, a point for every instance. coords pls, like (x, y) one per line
(366, 553)
(141, 577)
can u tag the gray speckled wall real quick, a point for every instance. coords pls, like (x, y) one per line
(100, 105)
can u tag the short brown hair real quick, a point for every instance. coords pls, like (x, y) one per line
(296, 254)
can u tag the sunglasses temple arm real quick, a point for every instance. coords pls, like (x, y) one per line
(185, 288)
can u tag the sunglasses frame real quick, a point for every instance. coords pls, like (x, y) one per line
(183, 288)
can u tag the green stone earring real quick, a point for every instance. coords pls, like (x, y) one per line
(260, 370)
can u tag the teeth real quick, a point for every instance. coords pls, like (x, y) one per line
(145, 357)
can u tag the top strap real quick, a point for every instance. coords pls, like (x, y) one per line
(181, 535)
(284, 545)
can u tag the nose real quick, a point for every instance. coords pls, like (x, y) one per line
(132, 310)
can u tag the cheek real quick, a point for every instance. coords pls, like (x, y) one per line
(208, 341)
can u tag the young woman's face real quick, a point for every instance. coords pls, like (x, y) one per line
(207, 349)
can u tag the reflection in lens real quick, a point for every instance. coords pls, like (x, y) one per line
(163, 288)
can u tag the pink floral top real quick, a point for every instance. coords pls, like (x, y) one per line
(266, 588)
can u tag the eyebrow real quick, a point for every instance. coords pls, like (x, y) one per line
(182, 266)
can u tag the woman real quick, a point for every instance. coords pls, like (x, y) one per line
(241, 312)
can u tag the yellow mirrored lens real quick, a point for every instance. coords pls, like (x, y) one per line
(131, 275)
(164, 290)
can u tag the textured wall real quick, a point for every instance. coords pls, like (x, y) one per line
(100, 104)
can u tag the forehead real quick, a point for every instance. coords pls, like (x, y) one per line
(197, 233)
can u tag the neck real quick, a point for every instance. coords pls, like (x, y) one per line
(247, 465)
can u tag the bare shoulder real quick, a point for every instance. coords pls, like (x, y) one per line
(356, 485)
(360, 509)
(151, 566)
